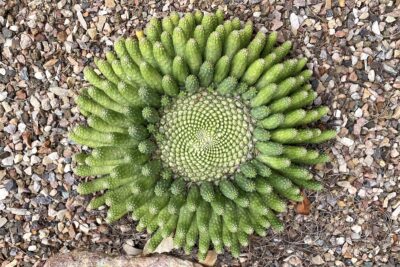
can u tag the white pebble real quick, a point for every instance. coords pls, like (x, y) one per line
(81, 19)
(32, 248)
(368, 160)
(3, 193)
(358, 113)
(39, 75)
(355, 236)
(14, 28)
(18, 158)
(346, 184)
(390, 19)
(337, 58)
(84, 228)
(396, 213)
(3, 95)
(59, 91)
(36, 187)
(21, 127)
(8, 161)
(6, 106)
(362, 193)
(340, 240)
(388, 197)
(35, 102)
(25, 41)
(346, 141)
(356, 228)
(364, 15)
(21, 212)
(256, 14)
(53, 156)
(349, 219)
(375, 28)
(3, 221)
(28, 171)
(394, 153)
(371, 75)
(294, 22)
(46, 160)
(130, 250)
(364, 56)
(10, 129)
(354, 60)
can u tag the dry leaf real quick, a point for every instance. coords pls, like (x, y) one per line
(26, 138)
(165, 246)
(395, 238)
(304, 206)
(50, 63)
(210, 259)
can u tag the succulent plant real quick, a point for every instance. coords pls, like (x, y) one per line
(198, 131)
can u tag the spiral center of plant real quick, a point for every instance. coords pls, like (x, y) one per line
(206, 136)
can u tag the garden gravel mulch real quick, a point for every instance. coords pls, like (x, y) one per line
(353, 48)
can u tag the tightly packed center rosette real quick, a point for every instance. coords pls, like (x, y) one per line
(206, 136)
(198, 128)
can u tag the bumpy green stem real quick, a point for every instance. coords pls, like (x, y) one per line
(197, 128)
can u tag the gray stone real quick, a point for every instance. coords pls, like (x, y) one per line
(389, 69)
(7, 33)
(10, 185)
(11, 128)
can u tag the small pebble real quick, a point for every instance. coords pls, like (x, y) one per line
(356, 228)
(32, 248)
(347, 141)
(3, 221)
(26, 41)
(256, 14)
(375, 28)
(340, 241)
(371, 75)
(3, 193)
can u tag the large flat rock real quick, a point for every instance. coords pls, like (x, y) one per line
(97, 259)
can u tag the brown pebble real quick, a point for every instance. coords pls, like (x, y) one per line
(61, 36)
(353, 77)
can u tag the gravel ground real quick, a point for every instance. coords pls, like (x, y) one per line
(354, 51)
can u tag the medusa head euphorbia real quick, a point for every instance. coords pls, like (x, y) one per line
(198, 131)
